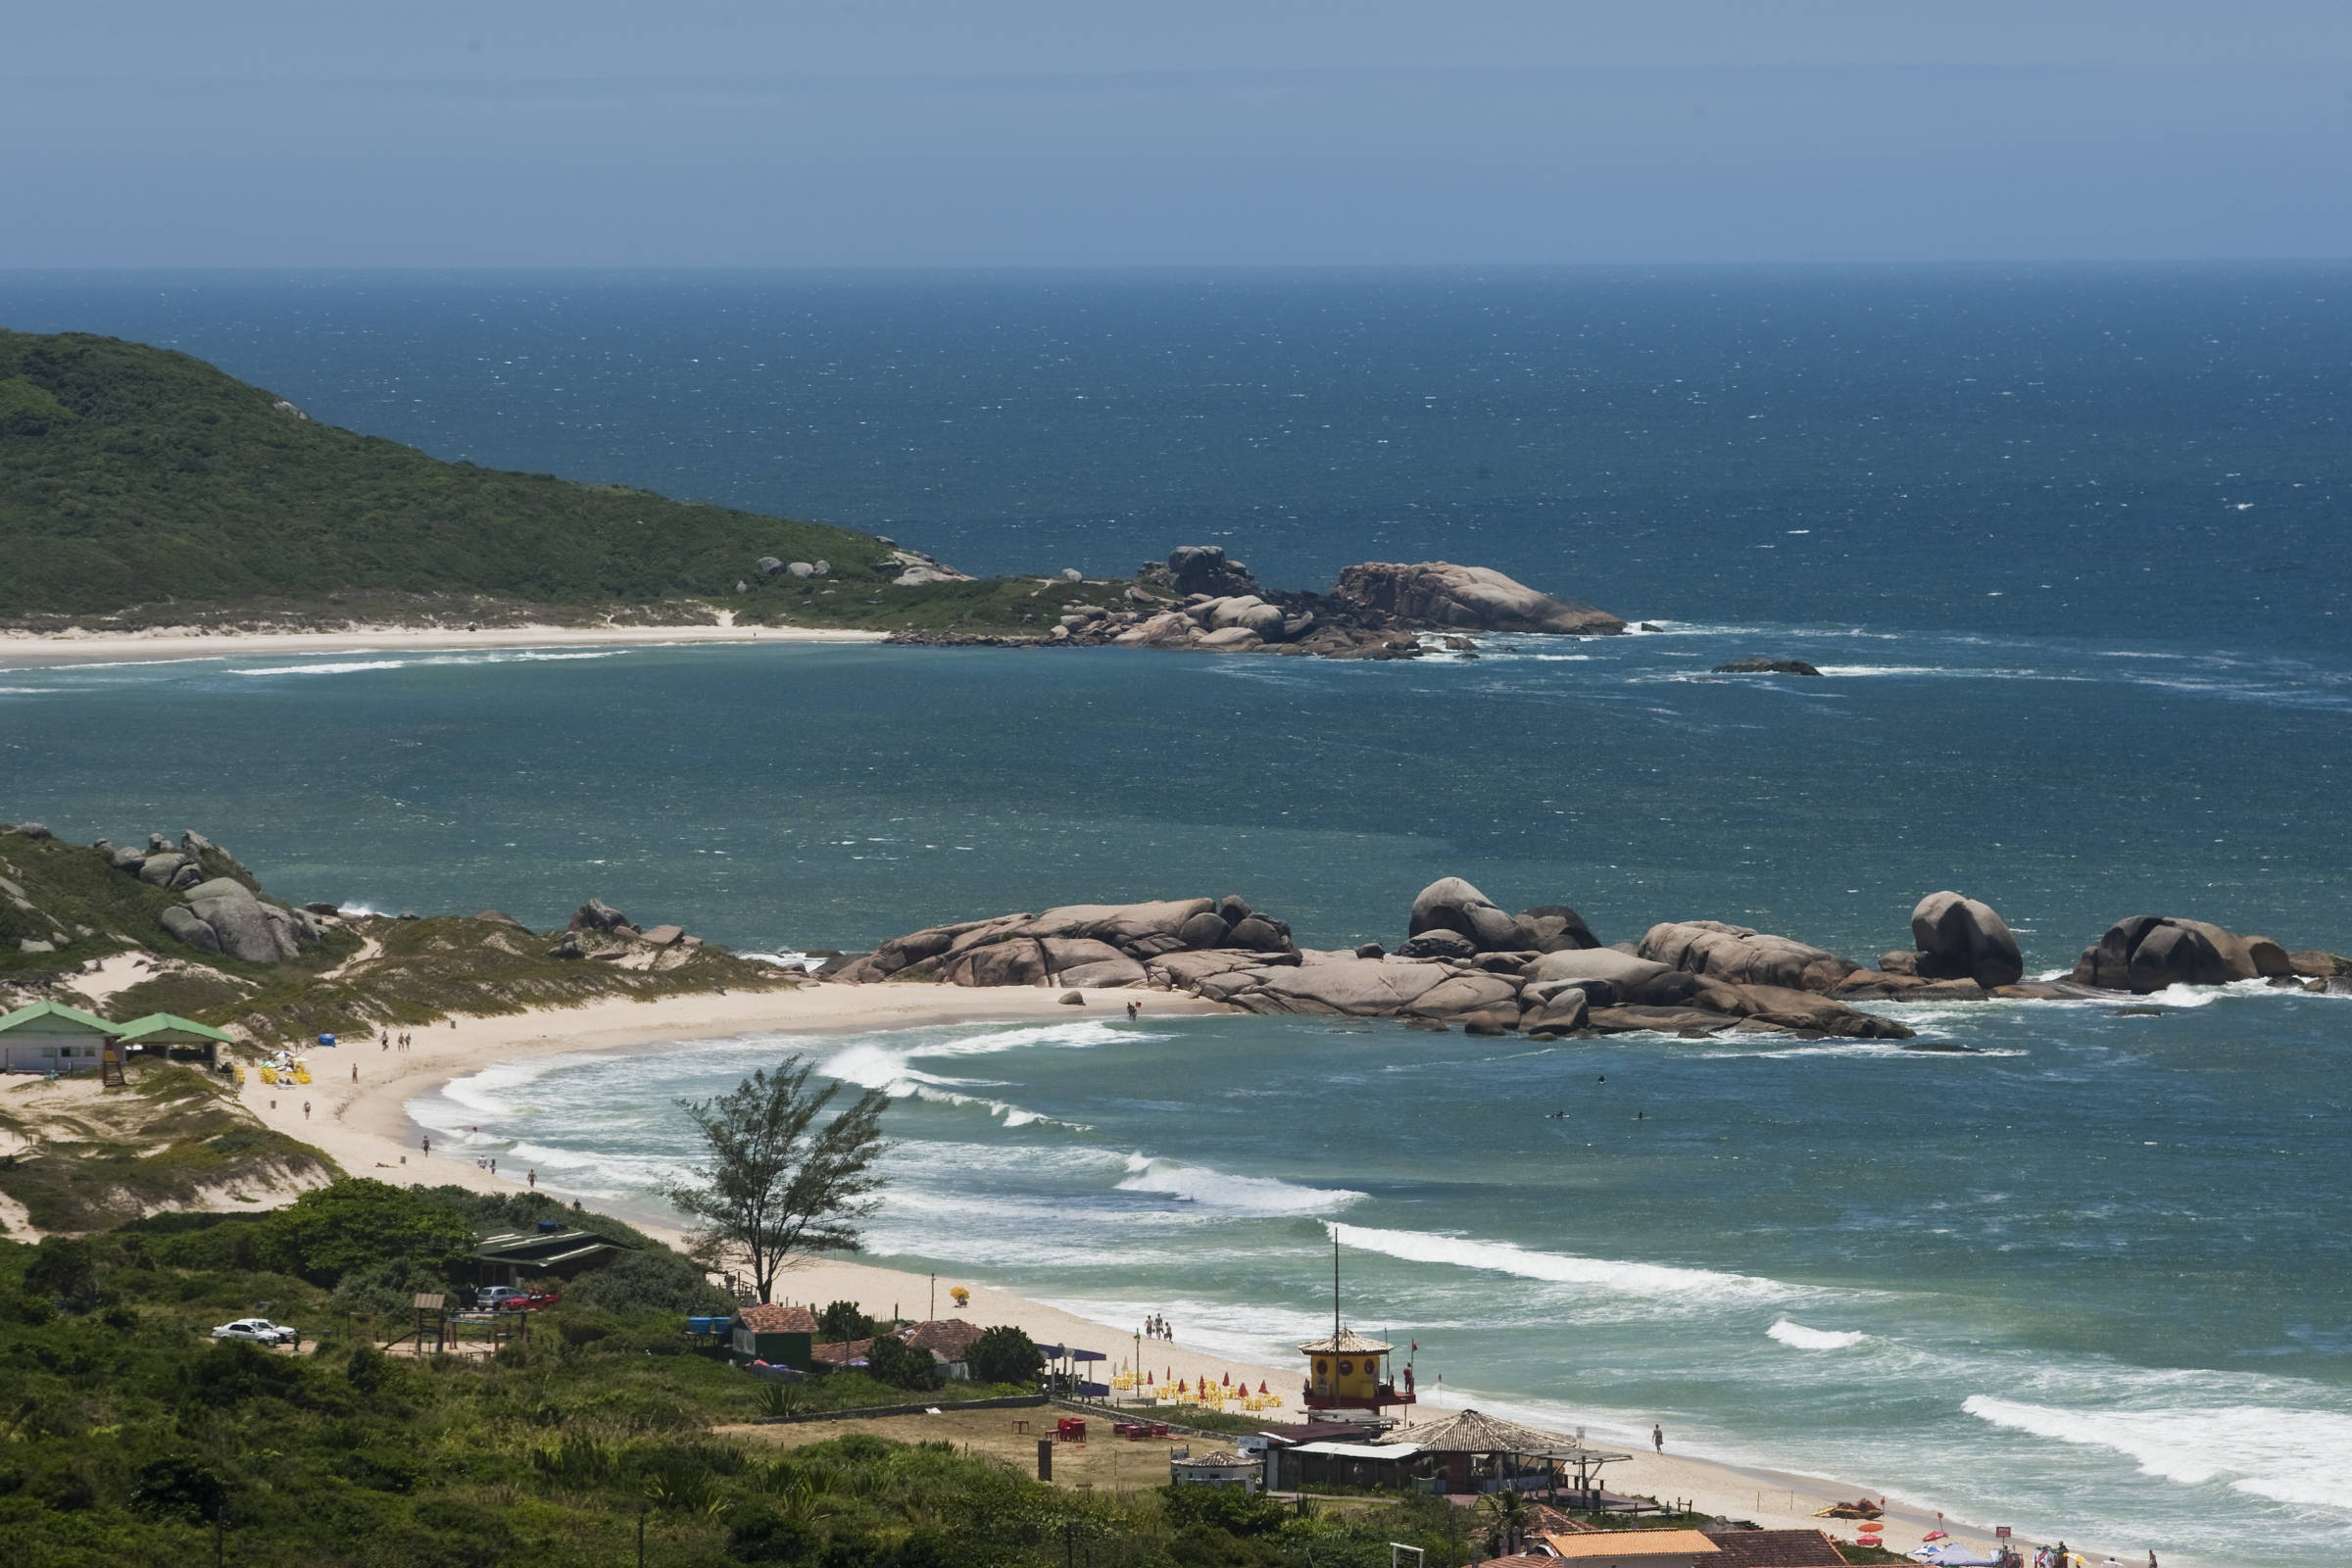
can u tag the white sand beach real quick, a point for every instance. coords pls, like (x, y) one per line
(363, 1123)
(166, 643)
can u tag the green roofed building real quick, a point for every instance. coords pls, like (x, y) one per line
(51, 1036)
(158, 1031)
(504, 1258)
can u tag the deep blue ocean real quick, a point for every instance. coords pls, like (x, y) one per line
(2069, 545)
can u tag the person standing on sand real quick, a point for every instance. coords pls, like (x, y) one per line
(1133, 1008)
(428, 1142)
(355, 1072)
(1657, 1436)
(532, 1177)
(306, 1110)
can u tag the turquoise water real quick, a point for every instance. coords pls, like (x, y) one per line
(2092, 1281)
(2068, 543)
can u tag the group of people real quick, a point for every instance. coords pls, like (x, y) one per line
(387, 1039)
(1156, 1327)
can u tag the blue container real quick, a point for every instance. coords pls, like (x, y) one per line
(328, 1041)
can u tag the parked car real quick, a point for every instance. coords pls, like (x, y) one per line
(259, 1331)
(512, 1298)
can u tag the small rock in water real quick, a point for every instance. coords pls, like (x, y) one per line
(1767, 666)
(1948, 1047)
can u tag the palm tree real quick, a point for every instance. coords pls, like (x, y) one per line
(1507, 1519)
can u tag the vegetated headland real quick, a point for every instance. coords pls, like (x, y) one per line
(142, 490)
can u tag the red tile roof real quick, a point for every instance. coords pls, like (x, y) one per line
(1774, 1548)
(950, 1336)
(770, 1318)
(840, 1354)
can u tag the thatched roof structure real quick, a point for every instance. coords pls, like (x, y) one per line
(1471, 1432)
(1346, 1342)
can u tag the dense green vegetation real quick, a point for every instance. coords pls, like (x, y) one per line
(126, 1437)
(135, 475)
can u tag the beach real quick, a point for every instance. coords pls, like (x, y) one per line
(168, 643)
(363, 1123)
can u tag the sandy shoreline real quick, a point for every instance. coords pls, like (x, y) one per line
(364, 1124)
(182, 642)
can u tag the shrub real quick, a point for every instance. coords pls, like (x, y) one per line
(841, 1322)
(902, 1365)
(1004, 1354)
(358, 1222)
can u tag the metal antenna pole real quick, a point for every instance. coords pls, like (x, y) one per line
(1335, 1284)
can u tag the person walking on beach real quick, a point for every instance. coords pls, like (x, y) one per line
(306, 1110)
(428, 1142)
(1657, 1436)
(532, 1177)
(1133, 1008)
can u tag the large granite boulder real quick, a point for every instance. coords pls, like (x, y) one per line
(1440, 594)
(1355, 987)
(1082, 944)
(597, 916)
(1962, 939)
(1203, 570)
(1743, 955)
(183, 923)
(1450, 904)
(243, 926)
(2147, 953)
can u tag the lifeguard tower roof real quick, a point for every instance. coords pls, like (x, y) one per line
(1346, 1342)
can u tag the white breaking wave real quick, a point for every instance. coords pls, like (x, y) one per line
(1216, 1188)
(2289, 1455)
(1560, 1268)
(1797, 1336)
(352, 666)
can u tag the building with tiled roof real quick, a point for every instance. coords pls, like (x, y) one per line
(946, 1337)
(1774, 1548)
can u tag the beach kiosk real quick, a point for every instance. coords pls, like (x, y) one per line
(167, 1033)
(1348, 1371)
(51, 1036)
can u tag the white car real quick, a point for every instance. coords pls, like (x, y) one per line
(259, 1330)
(490, 1298)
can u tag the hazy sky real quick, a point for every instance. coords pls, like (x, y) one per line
(1054, 131)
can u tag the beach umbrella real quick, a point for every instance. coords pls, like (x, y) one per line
(1148, 1380)
(1227, 1380)
(1261, 1385)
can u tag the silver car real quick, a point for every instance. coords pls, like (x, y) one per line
(259, 1331)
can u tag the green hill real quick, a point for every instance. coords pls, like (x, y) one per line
(134, 476)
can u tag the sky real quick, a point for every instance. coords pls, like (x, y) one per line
(1056, 132)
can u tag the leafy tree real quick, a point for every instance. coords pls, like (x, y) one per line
(1004, 1354)
(778, 1184)
(359, 1223)
(901, 1365)
(842, 1321)
(64, 1270)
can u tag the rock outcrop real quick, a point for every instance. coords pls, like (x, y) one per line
(1743, 956)
(2146, 953)
(1199, 600)
(1760, 665)
(1962, 939)
(1465, 963)
(221, 910)
(1440, 594)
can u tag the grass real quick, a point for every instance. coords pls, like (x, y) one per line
(171, 1133)
(447, 965)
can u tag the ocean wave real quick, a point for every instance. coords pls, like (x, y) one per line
(1241, 1195)
(352, 666)
(2284, 1454)
(1655, 1280)
(871, 1064)
(1797, 1336)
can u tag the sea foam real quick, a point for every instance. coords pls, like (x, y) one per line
(2289, 1455)
(1242, 1194)
(1797, 1336)
(1560, 1268)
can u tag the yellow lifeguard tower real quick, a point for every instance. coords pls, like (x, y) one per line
(1347, 1371)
